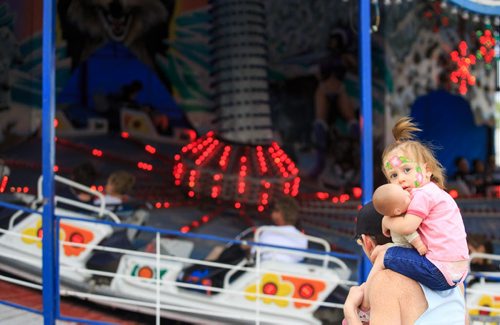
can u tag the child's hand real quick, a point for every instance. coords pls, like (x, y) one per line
(379, 251)
(419, 245)
(422, 250)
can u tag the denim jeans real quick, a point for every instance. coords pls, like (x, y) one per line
(409, 262)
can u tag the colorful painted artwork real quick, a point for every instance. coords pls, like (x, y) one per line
(276, 287)
(68, 233)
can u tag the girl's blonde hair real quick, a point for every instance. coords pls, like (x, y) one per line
(404, 133)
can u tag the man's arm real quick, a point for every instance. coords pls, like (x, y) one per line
(403, 225)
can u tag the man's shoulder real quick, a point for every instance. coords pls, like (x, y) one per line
(393, 282)
(387, 274)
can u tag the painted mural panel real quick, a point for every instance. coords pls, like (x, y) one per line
(21, 60)
(313, 71)
(151, 55)
(419, 41)
(439, 76)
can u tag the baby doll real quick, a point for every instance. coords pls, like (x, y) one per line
(393, 201)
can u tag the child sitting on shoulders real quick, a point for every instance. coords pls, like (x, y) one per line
(432, 212)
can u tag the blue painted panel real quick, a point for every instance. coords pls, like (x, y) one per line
(448, 123)
(477, 7)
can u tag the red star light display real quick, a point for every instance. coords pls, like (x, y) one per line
(486, 49)
(462, 75)
(436, 16)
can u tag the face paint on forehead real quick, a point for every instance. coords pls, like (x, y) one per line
(396, 161)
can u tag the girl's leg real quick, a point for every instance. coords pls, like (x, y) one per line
(408, 262)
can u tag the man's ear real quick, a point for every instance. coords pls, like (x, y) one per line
(368, 242)
(397, 211)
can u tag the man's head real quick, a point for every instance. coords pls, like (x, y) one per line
(369, 229)
(391, 200)
(285, 211)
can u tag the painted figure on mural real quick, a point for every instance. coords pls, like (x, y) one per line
(336, 126)
(140, 25)
(10, 56)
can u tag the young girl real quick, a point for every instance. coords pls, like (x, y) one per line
(432, 213)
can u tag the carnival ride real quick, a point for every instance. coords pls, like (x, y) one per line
(483, 292)
(154, 282)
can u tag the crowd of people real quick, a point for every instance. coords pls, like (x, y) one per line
(479, 181)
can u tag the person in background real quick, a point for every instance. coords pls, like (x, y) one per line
(492, 172)
(462, 178)
(394, 298)
(334, 112)
(478, 177)
(84, 174)
(478, 243)
(117, 190)
(284, 232)
(285, 216)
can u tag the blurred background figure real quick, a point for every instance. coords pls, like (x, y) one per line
(84, 174)
(478, 243)
(117, 190)
(335, 115)
(478, 177)
(492, 172)
(462, 179)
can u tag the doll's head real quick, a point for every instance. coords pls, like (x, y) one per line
(409, 163)
(391, 200)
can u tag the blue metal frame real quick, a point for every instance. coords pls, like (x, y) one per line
(365, 76)
(50, 276)
(474, 6)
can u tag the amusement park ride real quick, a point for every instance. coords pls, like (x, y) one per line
(144, 257)
(151, 282)
(145, 264)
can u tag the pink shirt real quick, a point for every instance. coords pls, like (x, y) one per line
(442, 228)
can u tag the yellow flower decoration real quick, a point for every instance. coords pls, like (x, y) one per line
(271, 284)
(487, 301)
(30, 235)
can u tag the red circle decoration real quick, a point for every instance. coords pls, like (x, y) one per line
(76, 237)
(306, 291)
(270, 288)
(145, 272)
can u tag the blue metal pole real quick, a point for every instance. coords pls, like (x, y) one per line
(49, 268)
(365, 75)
